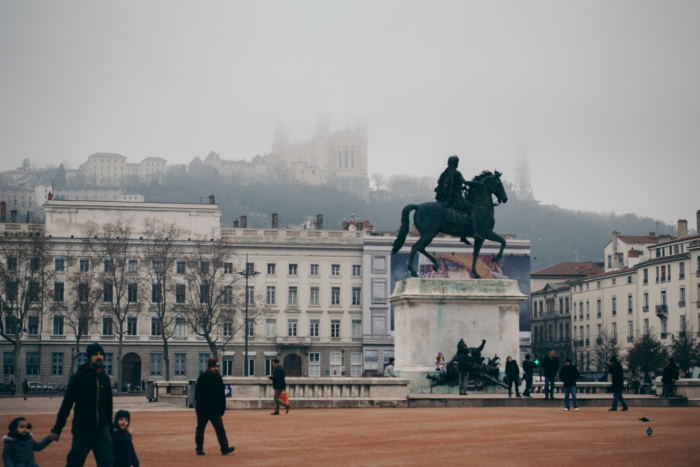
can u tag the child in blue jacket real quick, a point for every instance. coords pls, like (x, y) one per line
(124, 453)
(20, 444)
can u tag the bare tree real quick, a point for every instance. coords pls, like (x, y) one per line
(216, 300)
(379, 181)
(163, 250)
(606, 346)
(26, 268)
(116, 255)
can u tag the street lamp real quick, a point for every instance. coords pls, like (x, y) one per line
(247, 273)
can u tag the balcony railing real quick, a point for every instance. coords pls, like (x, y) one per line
(132, 338)
(681, 303)
(377, 337)
(58, 336)
(681, 275)
(588, 342)
(108, 337)
(645, 309)
(664, 335)
(271, 340)
(662, 310)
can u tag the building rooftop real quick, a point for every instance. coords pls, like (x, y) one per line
(8, 186)
(571, 269)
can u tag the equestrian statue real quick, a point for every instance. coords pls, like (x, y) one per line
(454, 213)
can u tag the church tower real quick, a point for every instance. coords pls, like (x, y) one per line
(523, 189)
(323, 124)
(361, 126)
(281, 139)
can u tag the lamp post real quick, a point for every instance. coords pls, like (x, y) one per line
(247, 273)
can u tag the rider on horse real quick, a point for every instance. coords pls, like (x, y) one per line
(450, 192)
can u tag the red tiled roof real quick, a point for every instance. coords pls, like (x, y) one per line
(572, 269)
(638, 239)
(603, 274)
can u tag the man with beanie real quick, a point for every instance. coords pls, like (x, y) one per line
(210, 405)
(618, 384)
(91, 392)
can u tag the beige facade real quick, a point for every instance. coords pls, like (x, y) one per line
(617, 250)
(104, 168)
(551, 321)
(17, 197)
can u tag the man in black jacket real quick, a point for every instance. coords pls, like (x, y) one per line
(91, 392)
(210, 405)
(669, 378)
(618, 384)
(279, 384)
(528, 370)
(568, 375)
(551, 368)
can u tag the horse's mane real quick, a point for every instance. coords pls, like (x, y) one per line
(481, 176)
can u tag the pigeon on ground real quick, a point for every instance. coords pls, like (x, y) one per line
(644, 419)
(649, 431)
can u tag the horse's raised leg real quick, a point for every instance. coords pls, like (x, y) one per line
(421, 244)
(432, 259)
(493, 236)
(414, 249)
(477, 248)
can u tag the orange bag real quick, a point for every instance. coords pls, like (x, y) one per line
(284, 397)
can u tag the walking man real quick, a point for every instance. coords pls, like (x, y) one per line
(669, 378)
(279, 385)
(528, 370)
(464, 360)
(568, 375)
(618, 384)
(91, 392)
(551, 368)
(210, 405)
(25, 388)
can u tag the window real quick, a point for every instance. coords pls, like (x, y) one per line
(271, 269)
(663, 297)
(180, 267)
(58, 295)
(646, 325)
(681, 271)
(269, 362)
(33, 325)
(646, 301)
(357, 295)
(313, 296)
(629, 304)
(371, 359)
(228, 268)
(600, 329)
(157, 265)
(32, 363)
(227, 367)
(270, 328)
(614, 281)
(378, 291)
(180, 293)
(8, 363)
(12, 264)
(356, 270)
(251, 328)
(336, 362)
(83, 292)
(156, 295)
(646, 276)
(292, 296)
(356, 329)
(84, 265)
(681, 303)
(313, 327)
(202, 358)
(588, 310)
(109, 265)
(107, 326)
(314, 364)
(270, 294)
(131, 329)
(580, 309)
(204, 267)
(180, 328)
(251, 366)
(156, 326)
(378, 263)
(133, 293)
(614, 306)
(356, 364)
(614, 325)
(180, 363)
(58, 325)
(292, 328)
(204, 293)
(566, 304)
(34, 264)
(683, 323)
(664, 325)
(335, 328)
(107, 292)
(56, 363)
(313, 270)
(292, 269)
(630, 330)
(609, 261)
(228, 295)
(156, 363)
(335, 269)
(59, 264)
(335, 295)
(250, 294)
(657, 274)
(34, 291)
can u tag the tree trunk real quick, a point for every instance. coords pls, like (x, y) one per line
(75, 356)
(166, 358)
(212, 348)
(18, 367)
(119, 358)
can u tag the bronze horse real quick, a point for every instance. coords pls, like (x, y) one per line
(434, 218)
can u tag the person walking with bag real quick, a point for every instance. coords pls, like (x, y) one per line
(568, 375)
(210, 400)
(513, 374)
(279, 385)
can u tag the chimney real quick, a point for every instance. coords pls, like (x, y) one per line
(589, 265)
(3, 211)
(275, 220)
(244, 221)
(632, 258)
(682, 228)
(13, 216)
(614, 240)
(652, 234)
(50, 196)
(211, 199)
(319, 221)
(235, 224)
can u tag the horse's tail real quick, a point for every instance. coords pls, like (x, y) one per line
(403, 231)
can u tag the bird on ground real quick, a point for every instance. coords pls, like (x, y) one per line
(649, 431)
(644, 419)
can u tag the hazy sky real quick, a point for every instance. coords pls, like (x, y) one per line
(603, 96)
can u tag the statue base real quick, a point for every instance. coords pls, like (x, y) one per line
(432, 315)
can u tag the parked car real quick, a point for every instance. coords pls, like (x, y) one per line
(7, 389)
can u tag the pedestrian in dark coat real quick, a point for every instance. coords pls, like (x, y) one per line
(551, 368)
(568, 375)
(279, 384)
(464, 361)
(210, 400)
(91, 392)
(25, 388)
(20, 444)
(669, 378)
(528, 370)
(513, 374)
(124, 452)
(618, 384)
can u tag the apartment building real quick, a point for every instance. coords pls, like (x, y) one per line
(551, 320)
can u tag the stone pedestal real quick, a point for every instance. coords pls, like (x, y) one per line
(432, 315)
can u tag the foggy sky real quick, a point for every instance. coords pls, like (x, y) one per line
(603, 96)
